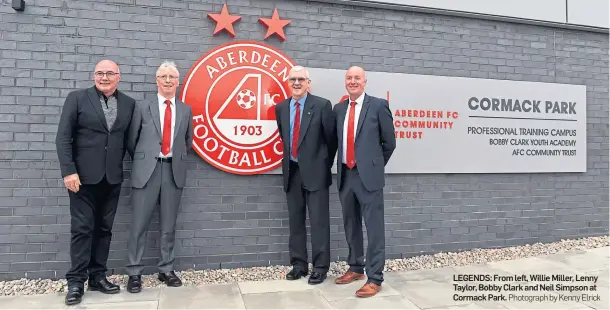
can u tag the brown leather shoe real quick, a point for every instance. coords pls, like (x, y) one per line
(368, 290)
(349, 277)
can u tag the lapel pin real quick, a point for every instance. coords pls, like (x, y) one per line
(308, 112)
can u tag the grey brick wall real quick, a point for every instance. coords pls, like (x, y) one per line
(230, 221)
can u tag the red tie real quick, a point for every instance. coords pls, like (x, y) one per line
(349, 155)
(295, 130)
(167, 128)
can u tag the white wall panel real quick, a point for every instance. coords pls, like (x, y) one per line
(588, 12)
(576, 12)
(547, 10)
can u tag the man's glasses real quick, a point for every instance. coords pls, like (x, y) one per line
(300, 79)
(165, 77)
(109, 74)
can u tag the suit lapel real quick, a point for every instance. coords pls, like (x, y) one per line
(341, 121)
(121, 111)
(153, 105)
(285, 116)
(97, 106)
(179, 110)
(365, 107)
(306, 118)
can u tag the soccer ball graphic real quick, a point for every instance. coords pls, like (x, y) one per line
(246, 99)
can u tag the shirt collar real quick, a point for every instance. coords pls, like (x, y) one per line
(359, 100)
(162, 99)
(301, 101)
(99, 93)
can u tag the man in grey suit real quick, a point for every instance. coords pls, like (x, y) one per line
(307, 128)
(160, 136)
(365, 131)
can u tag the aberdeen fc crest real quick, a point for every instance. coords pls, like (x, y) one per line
(233, 90)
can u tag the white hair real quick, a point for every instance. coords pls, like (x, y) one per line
(168, 64)
(300, 68)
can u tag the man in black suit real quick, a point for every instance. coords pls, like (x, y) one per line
(307, 128)
(365, 132)
(91, 142)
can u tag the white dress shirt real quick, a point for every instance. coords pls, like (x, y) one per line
(162, 107)
(358, 108)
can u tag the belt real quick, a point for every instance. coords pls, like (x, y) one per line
(165, 160)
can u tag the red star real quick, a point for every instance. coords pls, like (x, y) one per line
(275, 25)
(224, 21)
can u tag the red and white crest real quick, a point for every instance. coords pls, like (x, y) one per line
(233, 90)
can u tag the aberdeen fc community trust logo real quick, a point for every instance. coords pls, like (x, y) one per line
(233, 90)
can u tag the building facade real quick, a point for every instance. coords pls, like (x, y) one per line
(228, 220)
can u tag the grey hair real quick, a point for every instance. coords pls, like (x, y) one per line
(168, 64)
(300, 68)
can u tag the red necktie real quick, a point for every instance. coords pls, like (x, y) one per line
(295, 130)
(350, 157)
(167, 128)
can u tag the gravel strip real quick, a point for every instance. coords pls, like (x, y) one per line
(196, 277)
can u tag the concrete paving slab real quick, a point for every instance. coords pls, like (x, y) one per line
(375, 302)
(147, 294)
(582, 261)
(257, 287)
(49, 301)
(209, 296)
(533, 265)
(307, 299)
(604, 252)
(120, 305)
(442, 274)
(458, 307)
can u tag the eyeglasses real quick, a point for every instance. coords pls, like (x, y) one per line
(109, 74)
(300, 79)
(164, 77)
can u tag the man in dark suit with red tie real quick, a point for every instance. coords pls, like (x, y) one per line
(365, 132)
(307, 128)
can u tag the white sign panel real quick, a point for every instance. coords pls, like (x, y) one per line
(546, 10)
(467, 125)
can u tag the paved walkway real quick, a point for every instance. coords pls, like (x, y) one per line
(422, 289)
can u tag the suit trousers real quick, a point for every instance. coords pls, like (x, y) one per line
(160, 190)
(357, 203)
(92, 212)
(319, 217)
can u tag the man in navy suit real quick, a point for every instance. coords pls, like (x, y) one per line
(307, 128)
(365, 132)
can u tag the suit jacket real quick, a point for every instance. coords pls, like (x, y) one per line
(375, 140)
(144, 141)
(317, 142)
(84, 143)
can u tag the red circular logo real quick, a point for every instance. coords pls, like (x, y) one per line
(233, 90)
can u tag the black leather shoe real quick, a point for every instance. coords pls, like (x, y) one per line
(170, 278)
(74, 296)
(134, 284)
(295, 274)
(317, 278)
(102, 285)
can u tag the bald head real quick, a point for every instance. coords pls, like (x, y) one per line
(107, 64)
(356, 70)
(355, 81)
(106, 76)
